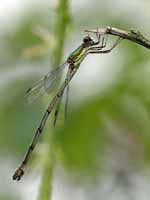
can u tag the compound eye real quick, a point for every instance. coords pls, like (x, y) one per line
(87, 39)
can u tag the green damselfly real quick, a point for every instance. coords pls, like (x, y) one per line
(46, 84)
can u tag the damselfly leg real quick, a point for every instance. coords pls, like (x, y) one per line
(95, 50)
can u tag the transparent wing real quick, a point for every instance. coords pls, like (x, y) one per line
(57, 110)
(67, 94)
(67, 98)
(45, 85)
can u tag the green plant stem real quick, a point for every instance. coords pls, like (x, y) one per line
(45, 192)
(61, 23)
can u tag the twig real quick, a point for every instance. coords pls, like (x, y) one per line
(132, 35)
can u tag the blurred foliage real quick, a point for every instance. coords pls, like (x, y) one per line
(123, 105)
(25, 35)
(7, 197)
(118, 116)
(16, 113)
(83, 142)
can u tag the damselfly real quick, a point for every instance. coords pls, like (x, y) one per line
(46, 84)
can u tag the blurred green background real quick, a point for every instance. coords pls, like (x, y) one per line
(103, 149)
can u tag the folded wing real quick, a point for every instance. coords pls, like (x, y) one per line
(45, 85)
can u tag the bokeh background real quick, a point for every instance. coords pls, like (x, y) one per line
(103, 149)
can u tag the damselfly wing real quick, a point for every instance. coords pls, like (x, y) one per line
(45, 85)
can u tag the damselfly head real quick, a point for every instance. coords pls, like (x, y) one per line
(88, 40)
